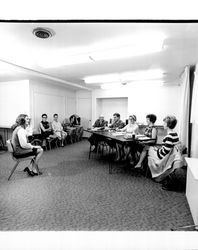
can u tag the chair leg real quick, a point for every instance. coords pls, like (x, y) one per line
(15, 166)
(110, 162)
(89, 151)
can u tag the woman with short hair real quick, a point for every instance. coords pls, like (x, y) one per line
(151, 132)
(169, 141)
(132, 128)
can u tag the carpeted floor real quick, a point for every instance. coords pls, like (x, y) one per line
(75, 193)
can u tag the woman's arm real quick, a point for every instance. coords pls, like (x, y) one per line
(136, 130)
(23, 139)
(123, 129)
(43, 129)
(166, 147)
(154, 133)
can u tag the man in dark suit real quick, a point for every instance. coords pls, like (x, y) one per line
(117, 123)
(100, 124)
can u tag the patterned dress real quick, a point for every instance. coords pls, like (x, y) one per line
(169, 141)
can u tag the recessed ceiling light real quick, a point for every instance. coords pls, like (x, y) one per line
(43, 33)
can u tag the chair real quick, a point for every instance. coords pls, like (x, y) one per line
(1, 142)
(79, 133)
(18, 160)
(167, 165)
(50, 141)
(71, 136)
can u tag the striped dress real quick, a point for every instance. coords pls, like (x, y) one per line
(169, 141)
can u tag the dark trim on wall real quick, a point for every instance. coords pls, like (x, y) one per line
(191, 81)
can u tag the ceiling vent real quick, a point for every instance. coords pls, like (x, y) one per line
(43, 33)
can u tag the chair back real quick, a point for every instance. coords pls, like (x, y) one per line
(9, 145)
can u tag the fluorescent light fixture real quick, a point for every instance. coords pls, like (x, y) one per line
(127, 76)
(139, 44)
(125, 52)
(102, 78)
(113, 85)
(69, 60)
(149, 83)
(142, 75)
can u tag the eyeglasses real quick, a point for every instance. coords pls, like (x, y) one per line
(44, 117)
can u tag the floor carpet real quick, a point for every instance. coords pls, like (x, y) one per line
(75, 193)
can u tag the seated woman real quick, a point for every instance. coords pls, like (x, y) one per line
(74, 120)
(150, 131)
(24, 149)
(45, 128)
(132, 128)
(169, 141)
(58, 130)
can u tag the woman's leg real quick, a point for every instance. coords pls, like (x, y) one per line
(126, 152)
(63, 136)
(118, 155)
(142, 157)
(36, 161)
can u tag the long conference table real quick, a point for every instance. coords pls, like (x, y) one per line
(112, 137)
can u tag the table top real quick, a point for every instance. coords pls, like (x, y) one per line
(119, 136)
(193, 165)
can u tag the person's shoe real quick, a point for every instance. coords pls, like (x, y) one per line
(167, 188)
(131, 163)
(125, 158)
(28, 171)
(94, 150)
(138, 166)
(117, 159)
(34, 173)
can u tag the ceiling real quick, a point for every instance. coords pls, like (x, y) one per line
(21, 52)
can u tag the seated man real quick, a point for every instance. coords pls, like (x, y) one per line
(58, 129)
(117, 123)
(100, 123)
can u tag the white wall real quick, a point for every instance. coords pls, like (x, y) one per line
(48, 98)
(161, 101)
(109, 106)
(84, 106)
(14, 100)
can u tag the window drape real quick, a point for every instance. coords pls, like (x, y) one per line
(184, 107)
(194, 116)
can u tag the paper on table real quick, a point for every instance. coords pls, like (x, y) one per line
(118, 133)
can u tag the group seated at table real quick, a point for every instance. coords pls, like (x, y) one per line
(160, 158)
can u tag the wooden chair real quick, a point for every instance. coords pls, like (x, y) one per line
(17, 160)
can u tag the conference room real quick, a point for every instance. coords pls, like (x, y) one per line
(99, 98)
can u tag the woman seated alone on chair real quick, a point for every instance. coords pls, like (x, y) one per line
(58, 130)
(132, 128)
(46, 129)
(150, 131)
(24, 149)
(169, 141)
